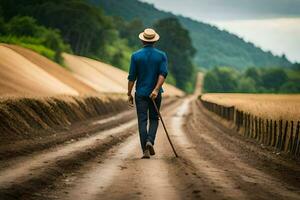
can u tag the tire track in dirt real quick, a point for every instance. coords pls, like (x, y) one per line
(101, 176)
(218, 185)
(20, 149)
(27, 175)
(123, 175)
(42, 160)
(32, 173)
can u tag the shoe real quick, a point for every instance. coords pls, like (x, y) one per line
(146, 154)
(149, 146)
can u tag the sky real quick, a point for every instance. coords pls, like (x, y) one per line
(270, 24)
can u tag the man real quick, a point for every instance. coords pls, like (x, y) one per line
(149, 69)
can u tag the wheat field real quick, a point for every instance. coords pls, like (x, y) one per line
(271, 106)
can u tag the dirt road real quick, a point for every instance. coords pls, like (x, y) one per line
(214, 163)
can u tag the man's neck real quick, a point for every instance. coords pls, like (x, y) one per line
(148, 45)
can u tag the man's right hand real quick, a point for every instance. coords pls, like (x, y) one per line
(130, 100)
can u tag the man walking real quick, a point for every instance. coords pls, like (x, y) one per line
(149, 69)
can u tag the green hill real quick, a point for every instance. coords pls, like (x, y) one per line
(214, 47)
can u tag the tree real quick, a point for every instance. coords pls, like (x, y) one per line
(221, 79)
(290, 87)
(129, 30)
(52, 39)
(274, 78)
(211, 83)
(227, 78)
(254, 74)
(23, 26)
(246, 85)
(2, 26)
(176, 42)
(296, 66)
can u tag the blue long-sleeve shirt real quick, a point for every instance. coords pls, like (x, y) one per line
(146, 66)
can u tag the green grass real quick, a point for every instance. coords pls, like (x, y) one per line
(29, 43)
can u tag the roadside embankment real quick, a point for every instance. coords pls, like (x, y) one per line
(30, 117)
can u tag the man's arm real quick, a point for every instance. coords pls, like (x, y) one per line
(131, 79)
(159, 84)
(130, 87)
(163, 72)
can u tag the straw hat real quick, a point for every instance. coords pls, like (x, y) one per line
(149, 35)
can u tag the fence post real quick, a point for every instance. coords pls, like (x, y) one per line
(278, 141)
(296, 142)
(263, 131)
(245, 123)
(238, 120)
(259, 130)
(267, 132)
(290, 143)
(235, 117)
(283, 141)
(274, 134)
(256, 129)
(248, 125)
(271, 132)
(232, 113)
(252, 126)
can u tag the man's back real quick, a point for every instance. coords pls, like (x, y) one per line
(146, 65)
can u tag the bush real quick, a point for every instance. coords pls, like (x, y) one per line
(29, 43)
(22, 26)
(24, 31)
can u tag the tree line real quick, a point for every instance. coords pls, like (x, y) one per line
(253, 80)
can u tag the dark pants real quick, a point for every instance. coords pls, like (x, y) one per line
(146, 110)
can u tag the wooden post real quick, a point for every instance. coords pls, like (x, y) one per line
(259, 130)
(263, 131)
(256, 127)
(283, 145)
(274, 134)
(242, 119)
(250, 125)
(245, 123)
(278, 141)
(271, 133)
(267, 135)
(296, 140)
(238, 120)
(290, 142)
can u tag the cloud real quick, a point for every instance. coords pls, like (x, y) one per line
(279, 35)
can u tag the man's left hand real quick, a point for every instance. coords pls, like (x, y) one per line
(130, 100)
(154, 94)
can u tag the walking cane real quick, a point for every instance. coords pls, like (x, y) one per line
(166, 131)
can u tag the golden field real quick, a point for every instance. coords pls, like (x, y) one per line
(26, 73)
(270, 106)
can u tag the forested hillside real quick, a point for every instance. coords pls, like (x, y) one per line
(214, 47)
